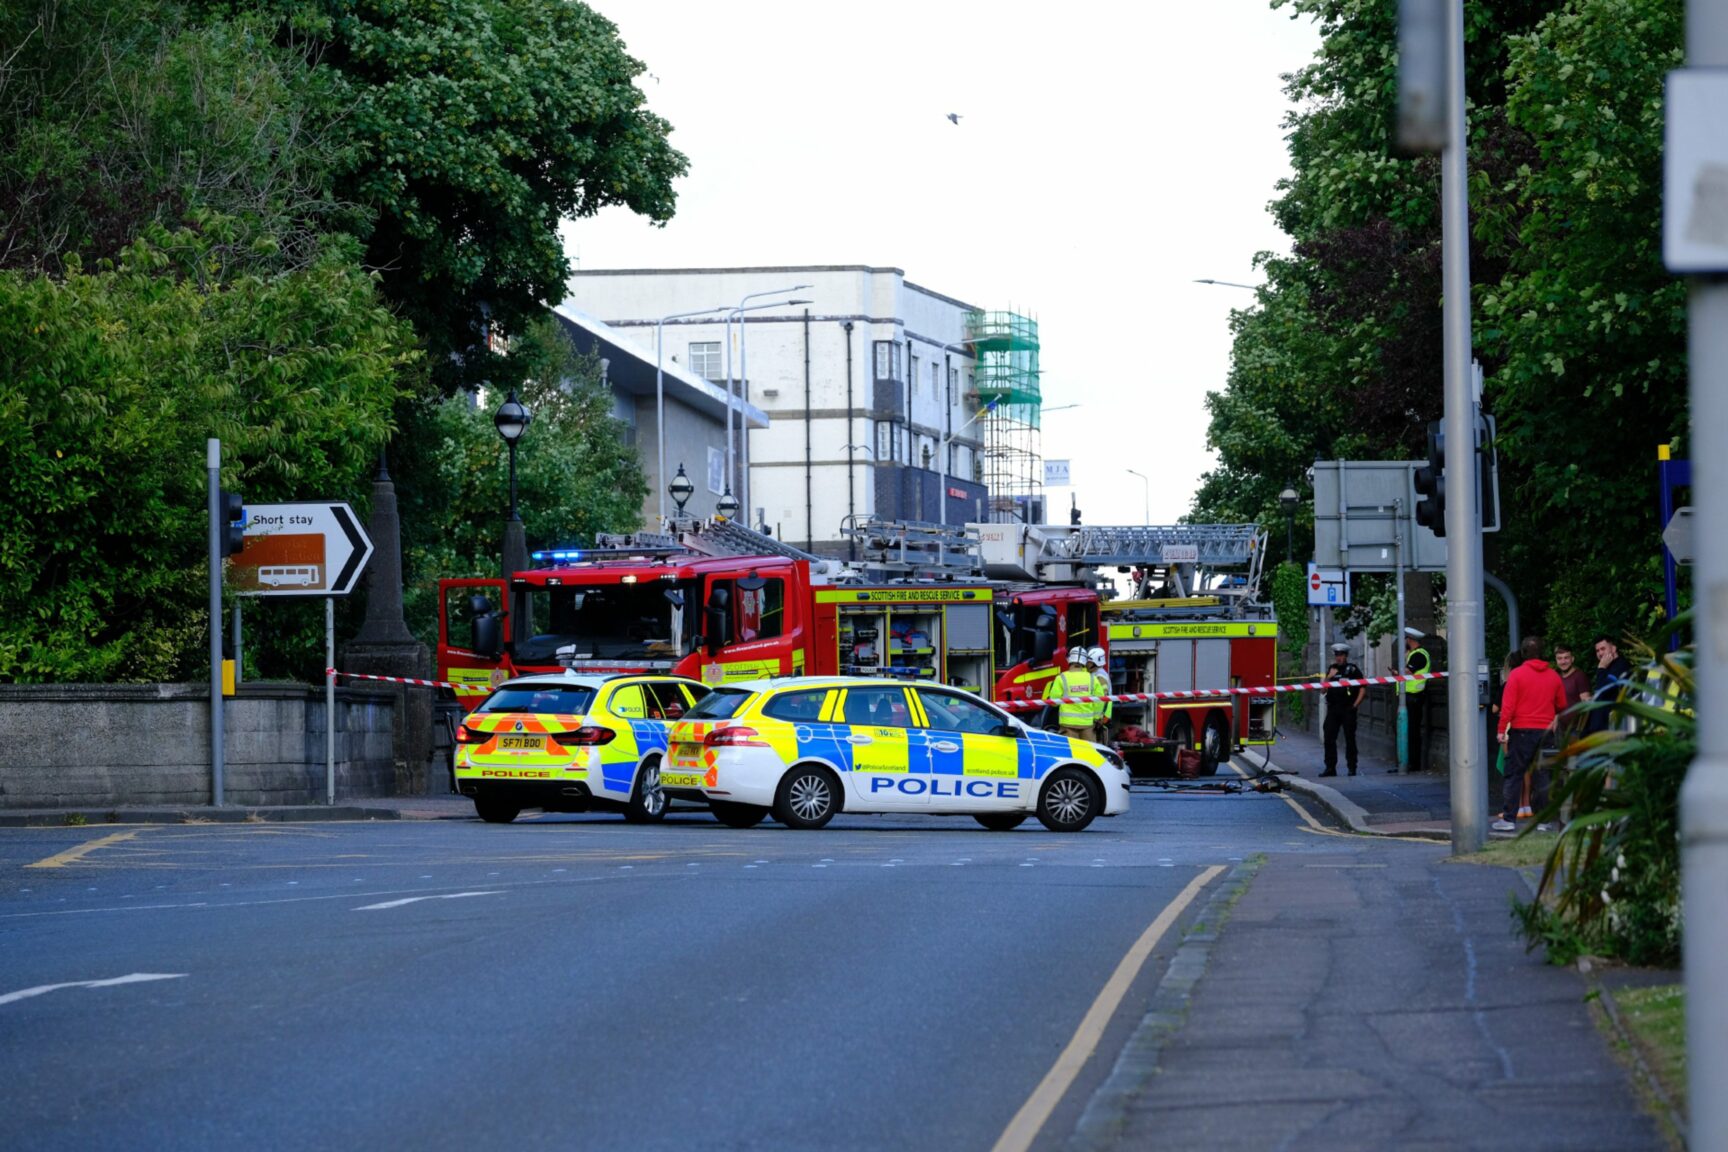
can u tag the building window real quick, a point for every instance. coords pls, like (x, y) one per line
(887, 360)
(884, 441)
(705, 360)
(928, 455)
(912, 379)
(716, 471)
(935, 377)
(955, 459)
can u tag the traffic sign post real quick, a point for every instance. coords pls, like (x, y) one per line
(1328, 587)
(310, 549)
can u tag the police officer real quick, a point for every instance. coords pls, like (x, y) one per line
(1341, 704)
(1416, 661)
(1075, 719)
(1100, 662)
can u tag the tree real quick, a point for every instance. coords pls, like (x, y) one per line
(105, 403)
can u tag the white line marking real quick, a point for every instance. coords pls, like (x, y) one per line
(134, 978)
(417, 899)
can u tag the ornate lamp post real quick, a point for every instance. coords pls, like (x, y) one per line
(1287, 500)
(680, 489)
(727, 505)
(512, 421)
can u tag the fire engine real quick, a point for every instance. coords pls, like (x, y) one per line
(719, 602)
(1194, 620)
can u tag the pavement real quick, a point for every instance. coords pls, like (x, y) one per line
(1376, 801)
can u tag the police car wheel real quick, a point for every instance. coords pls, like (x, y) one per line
(496, 811)
(737, 815)
(808, 798)
(1071, 800)
(647, 802)
(1000, 821)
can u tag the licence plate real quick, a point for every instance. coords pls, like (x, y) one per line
(521, 742)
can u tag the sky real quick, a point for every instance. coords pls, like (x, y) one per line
(1107, 156)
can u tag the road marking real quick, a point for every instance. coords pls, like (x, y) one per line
(417, 899)
(1023, 1130)
(73, 855)
(134, 978)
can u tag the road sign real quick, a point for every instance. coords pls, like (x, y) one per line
(316, 549)
(1328, 587)
(1678, 535)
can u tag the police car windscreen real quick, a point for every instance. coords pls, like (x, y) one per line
(720, 704)
(554, 698)
(605, 621)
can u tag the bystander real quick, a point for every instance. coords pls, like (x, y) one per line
(1533, 699)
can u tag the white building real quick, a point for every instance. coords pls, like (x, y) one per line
(862, 386)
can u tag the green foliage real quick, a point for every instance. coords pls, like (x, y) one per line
(1290, 601)
(1578, 326)
(107, 395)
(474, 127)
(577, 474)
(1611, 886)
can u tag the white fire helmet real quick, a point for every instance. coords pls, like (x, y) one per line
(1097, 657)
(1076, 655)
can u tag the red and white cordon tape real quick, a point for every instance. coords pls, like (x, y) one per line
(1209, 693)
(465, 689)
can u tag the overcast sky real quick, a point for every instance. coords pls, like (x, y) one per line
(1106, 157)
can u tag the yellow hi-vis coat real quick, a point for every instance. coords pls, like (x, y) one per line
(1415, 664)
(1076, 681)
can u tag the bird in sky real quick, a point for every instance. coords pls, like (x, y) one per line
(954, 118)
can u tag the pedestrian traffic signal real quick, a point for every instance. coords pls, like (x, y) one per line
(1430, 481)
(230, 522)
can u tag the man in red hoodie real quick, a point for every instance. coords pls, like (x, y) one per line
(1534, 696)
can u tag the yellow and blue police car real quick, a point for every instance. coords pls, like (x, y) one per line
(566, 742)
(806, 748)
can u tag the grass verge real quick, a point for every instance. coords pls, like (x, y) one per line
(1519, 852)
(1656, 1018)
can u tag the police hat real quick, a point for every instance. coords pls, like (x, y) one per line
(1413, 633)
(1340, 647)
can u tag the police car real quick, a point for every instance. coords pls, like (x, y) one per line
(806, 748)
(566, 742)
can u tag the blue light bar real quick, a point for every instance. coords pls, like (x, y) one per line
(558, 555)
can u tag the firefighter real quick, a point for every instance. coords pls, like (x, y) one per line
(1075, 719)
(1100, 662)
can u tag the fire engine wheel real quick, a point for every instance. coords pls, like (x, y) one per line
(808, 797)
(737, 815)
(1000, 821)
(1071, 800)
(1180, 733)
(647, 802)
(1214, 746)
(496, 811)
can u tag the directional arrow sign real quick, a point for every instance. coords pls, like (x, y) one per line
(1678, 536)
(316, 549)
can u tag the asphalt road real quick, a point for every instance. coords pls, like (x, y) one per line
(576, 982)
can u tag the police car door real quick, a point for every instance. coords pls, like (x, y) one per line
(973, 767)
(890, 763)
(619, 757)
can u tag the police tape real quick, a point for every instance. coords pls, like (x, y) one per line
(464, 689)
(1214, 693)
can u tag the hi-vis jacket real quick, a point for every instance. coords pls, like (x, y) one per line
(1075, 681)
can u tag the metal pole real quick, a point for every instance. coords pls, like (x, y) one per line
(513, 515)
(726, 484)
(238, 662)
(1469, 786)
(660, 415)
(329, 700)
(1401, 729)
(1704, 796)
(213, 467)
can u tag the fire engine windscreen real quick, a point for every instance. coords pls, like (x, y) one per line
(651, 621)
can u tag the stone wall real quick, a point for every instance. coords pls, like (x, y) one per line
(87, 745)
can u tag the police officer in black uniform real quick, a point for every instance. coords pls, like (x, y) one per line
(1341, 704)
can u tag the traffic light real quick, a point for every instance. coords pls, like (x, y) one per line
(230, 522)
(1430, 482)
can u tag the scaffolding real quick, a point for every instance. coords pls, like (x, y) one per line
(1005, 345)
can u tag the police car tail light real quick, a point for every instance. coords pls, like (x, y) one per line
(737, 736)
(467, 735)
(585, 736)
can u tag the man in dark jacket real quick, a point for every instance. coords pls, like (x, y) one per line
(1576, 681)
(1341, 704)
(1534, 696)
(1612, 671)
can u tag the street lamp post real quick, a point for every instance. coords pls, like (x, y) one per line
(1287, 500)
(727, 505)
(744, 305)
(660, 397)
(512, 421)
(743, 477)
(680, 490)
(1148, 486)
(1230, 284)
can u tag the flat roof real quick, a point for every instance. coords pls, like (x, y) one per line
(900, 272)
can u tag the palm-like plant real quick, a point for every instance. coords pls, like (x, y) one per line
(1612, 882)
